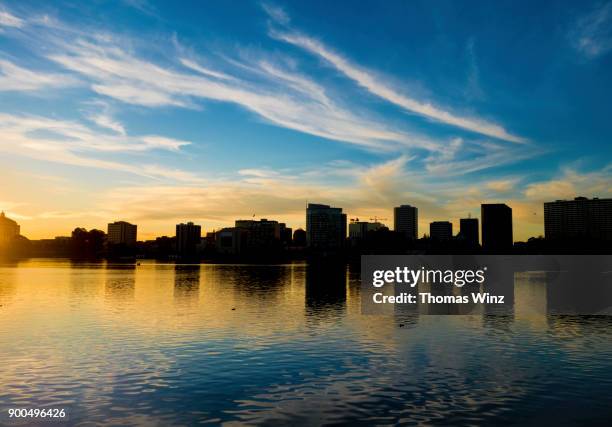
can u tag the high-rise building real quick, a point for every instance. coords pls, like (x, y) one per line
(122, 233)
(261, 234)
(359, 229)
(406, 220)
(441, 230)
(325, 227)
(188, 237)
(9, 230)
(579, 218)
(496, 227)
(468, 231)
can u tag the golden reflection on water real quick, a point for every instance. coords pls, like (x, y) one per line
(249, 301)
(92, 331)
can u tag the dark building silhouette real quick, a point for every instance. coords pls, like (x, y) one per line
(231, 241)
(9, 230)
(496, 227)
(580, 218)
(85, 243)
(358, 230)
(286, 234)
(188, 237)
(262, 234)
(325, 227)
(468, 231)
(122, 233)
(406, 220)
(441, 231)
(299, 238)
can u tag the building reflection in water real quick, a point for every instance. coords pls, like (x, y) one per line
(186, 283)
(8, 285)
(85, 283)
(261, 284)
(120, 283)
(530, 298)
(326, 287)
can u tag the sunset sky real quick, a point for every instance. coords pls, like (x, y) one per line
(165, 112)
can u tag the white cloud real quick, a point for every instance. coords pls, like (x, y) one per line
(16, 78)
(272, 89)
(106, 121)
(189, 63)
(285, 99)
(8, 20)
(376, 86)
(74, 144)
(592, 34)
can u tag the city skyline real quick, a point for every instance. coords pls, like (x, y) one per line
(580, 217)
(156, 115)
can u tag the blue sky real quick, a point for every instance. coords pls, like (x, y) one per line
(210, 111)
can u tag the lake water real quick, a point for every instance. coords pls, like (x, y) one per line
(164, 344)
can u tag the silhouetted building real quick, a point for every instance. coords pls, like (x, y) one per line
(210, 240)
(496, 227)
(188, 238)
(286, 234)
(122, 233)
(325, 227)
(262, 234)
(359, 229)
(406, 220)
(85, 243)
(441, 231)
(468, 231)
(231, 241)
(299, 238)
(9, 230)
(580, 218)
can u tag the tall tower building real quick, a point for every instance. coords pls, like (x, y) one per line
(496, 227)
(579, 218)
(325, 227)
(406, 220)
(188, 237)
(122, 233)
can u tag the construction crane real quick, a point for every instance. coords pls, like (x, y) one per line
(376, 219)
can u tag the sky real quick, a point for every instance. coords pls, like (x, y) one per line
(208, 111)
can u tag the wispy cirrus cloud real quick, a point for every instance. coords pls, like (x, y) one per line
(375, 84)
(592, 33)
(285, 99)
(273, 90)
(73, 143)
(9, 20)
(15, 78)
(99, 112)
